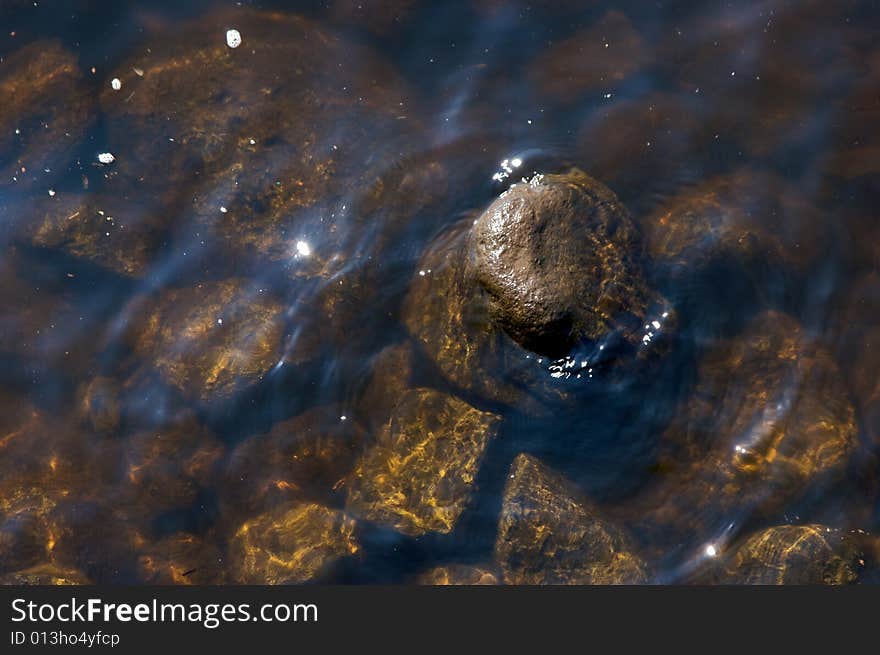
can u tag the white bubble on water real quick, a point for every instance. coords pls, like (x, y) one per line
(233, 38)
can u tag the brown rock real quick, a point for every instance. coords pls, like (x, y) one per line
(769, 421)
(419, 476)
(305, 457)
(549, 534)
(46, 111)
(559, 258)
(181, 559)
(294, 543)
(44, 575)
(459, 574)
(597, 57)
(793, 554)
(213, 339)
(166, 466)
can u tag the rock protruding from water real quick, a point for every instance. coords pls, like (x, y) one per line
(419, 476)
(559, 259)
(549, 534)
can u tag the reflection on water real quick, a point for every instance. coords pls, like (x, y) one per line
(253, 328)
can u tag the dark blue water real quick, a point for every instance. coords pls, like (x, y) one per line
(287, 198)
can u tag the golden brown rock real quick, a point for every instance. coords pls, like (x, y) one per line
(596, 58)
(43, 575)
(213, 339)
(768, 423)
(419, 475)
(305, 457)
(793, 554)
(223, 122)
(166, 466)
(181, 559)
(549, 534)
(119, 233)
(390, 378)
(749, 219)
(294, 543)
(43, 462)
(99, 404)
(450, 321)
(459, 574)
(46, 111)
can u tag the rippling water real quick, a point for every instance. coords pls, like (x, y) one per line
(212, 259)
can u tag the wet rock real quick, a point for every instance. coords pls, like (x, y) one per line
(44, 574)
(294, 543)
(390, 378)
(857, 147)
(857, 341)
(46, 111)
(464, 310)
(305, 457)
(98, 537)
(380, 18)
(187, 127)
(750, 227)
(645, 146)
(181, 559)
(99, 404)
(121, 234)
(793, 554)
(165, 467)
(760, 76)
(459, 574)
(42, 327)
(768, 424)
(419, 475)
(549, 534)
(213, 339)
(43, 462)
(595, 58)
(559, 260)
(449, 320)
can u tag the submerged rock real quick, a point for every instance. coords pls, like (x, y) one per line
(595, 58)
(293, 543)
(43, 462)
(793, 554)
(99, 404)
(47, 109)
(167, 466)
(212, 130)
(181, 559)
(214, 339)
(390, 377)
(419, 475)
(768, 424)
(749, 221)
(305, 457)
(549, 534)
(121, 234)
(459, 574)
(43, 575)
